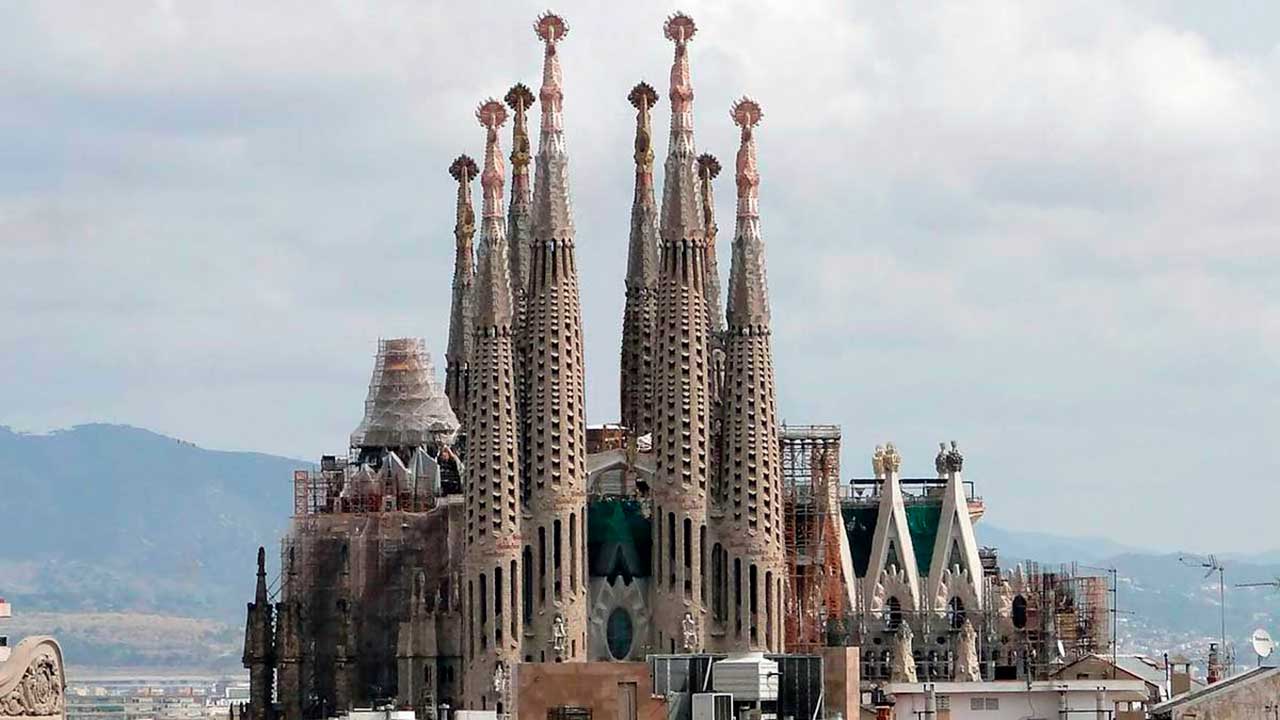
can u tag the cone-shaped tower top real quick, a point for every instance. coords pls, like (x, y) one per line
(519, 228)
(493, 286)
(640, 313)
(748, 289)
(680, 29)
(642, 258)
(553, 216)
(708, 169)
(458, 353)
(681, 203)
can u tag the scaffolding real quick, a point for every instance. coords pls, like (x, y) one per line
(811, 483)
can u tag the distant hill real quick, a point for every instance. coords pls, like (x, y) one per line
(112, 529)
(115, 518)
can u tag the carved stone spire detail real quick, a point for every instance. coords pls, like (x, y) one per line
(682, 407)
(259, 647)
(461, 314)
(636, 387)
(491, 607)
(708, 169)
(748, 289)
(554, 447)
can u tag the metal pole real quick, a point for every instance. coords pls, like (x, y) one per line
(1222, 605)
(1115, 616)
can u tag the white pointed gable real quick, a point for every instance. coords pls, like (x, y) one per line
(956, 569)
(891, 570)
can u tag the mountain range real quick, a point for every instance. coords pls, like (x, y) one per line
(137, 549)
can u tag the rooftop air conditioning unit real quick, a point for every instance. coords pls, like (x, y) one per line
(713, 706)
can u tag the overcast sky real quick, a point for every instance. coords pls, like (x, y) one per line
(1045, 230)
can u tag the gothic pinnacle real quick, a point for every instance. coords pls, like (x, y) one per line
(519, 98)
(681, 205)
(458, 353)
(748, 290)
(636, 377)
(493, 283)
(552, 214)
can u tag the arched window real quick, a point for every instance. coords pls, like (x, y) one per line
(717, 583)
(955, 613)
(619, 634)
(1019, 612)
(892, 613)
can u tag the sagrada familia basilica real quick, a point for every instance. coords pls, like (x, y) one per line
(481, 526)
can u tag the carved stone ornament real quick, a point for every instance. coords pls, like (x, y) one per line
(32, 682)
(955, 461)
(559, 636)
(689, 628)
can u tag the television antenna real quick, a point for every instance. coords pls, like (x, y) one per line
(1211, 565)
(1269, 583)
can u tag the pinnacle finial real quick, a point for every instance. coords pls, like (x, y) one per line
(492, 115)
(463, 168)
(519, 97)
(262, 560)
(644, 95)
(679, 28)
(708, 165)
(746, 113)
(551, 28)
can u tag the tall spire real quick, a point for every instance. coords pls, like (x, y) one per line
(491, 608)
(682, 417)
(552, 210)
(750, 466)
(708, 169)
(554, 444)
(520, 215)
(494, 304)
(458, 355)
(636, 387)
(520, 241)
(681, 201)
(749, 304)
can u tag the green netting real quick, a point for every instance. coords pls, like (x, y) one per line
(619, 539)
(922, 523)
(860, 528)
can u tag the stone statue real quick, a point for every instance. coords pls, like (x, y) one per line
(955, 461)
(902, 666)
(877, 462)
(689, 628)
(501, 680)
(965, 664)
(559, 636)
(892, 460)
(940, 462)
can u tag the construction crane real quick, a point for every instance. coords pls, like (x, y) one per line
(1211, 565)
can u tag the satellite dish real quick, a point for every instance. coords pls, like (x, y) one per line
(1262, 643)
